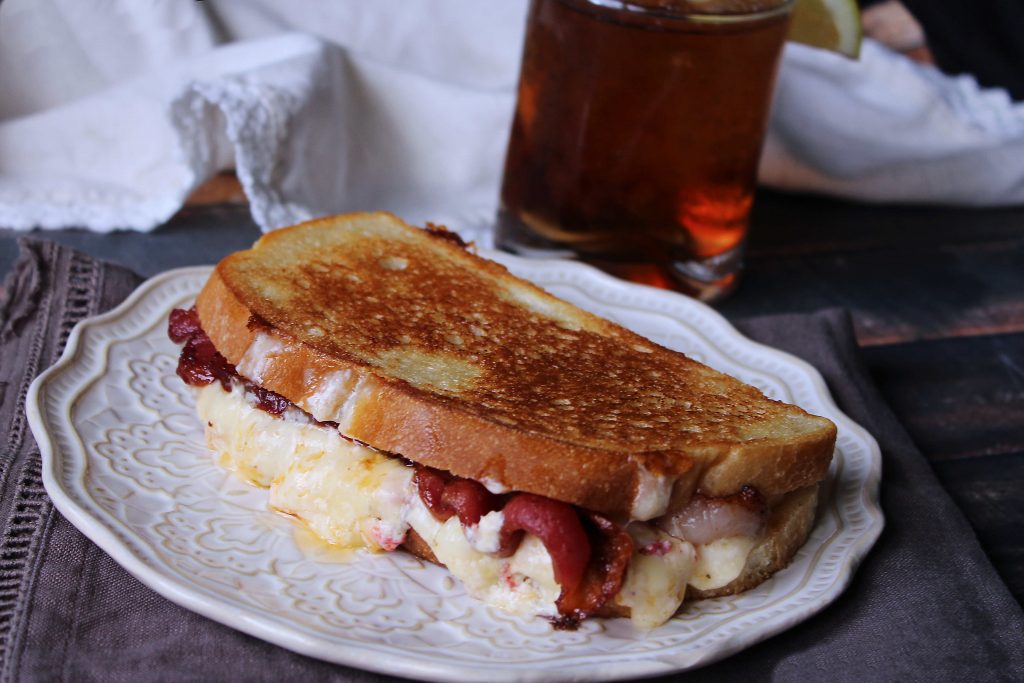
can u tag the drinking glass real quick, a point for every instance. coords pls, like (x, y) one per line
(637, 134)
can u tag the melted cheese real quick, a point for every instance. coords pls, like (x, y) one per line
(652, 494)
(347, 494)
(258, 356)
(353, 497)
(658, 572)
(721, 561)
(522, 584)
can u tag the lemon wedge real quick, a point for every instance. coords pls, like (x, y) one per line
(828, 24)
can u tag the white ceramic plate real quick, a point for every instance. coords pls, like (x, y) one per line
(124, 460)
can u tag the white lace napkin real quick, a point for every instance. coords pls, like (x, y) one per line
(113, 112)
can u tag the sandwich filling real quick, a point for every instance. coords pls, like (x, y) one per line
(516, 551)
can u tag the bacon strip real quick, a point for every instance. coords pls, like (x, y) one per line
(431, 484)
(200, 363)
(588, 579)
(445, 496)
(606, 572)
(706, 519)
(558, 527)
(444, 233)
(470, 500)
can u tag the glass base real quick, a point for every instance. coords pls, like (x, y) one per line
(708, 280)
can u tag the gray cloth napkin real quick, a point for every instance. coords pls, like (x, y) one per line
(925, 605)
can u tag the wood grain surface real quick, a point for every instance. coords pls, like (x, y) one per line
(962, 401)
(937, 297)
(907, 273)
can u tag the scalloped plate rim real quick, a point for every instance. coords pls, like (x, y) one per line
(269, 627)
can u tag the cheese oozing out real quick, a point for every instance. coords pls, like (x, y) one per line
(351, 496)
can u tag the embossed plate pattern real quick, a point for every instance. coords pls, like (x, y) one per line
(124, 460)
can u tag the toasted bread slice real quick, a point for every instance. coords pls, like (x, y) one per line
(418, 347)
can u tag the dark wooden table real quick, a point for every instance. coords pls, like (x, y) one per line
(937, 296)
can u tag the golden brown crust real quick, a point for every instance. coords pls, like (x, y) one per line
(420, 348)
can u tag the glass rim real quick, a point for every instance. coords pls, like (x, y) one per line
(695, 15)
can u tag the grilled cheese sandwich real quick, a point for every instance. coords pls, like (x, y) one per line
(393, 390)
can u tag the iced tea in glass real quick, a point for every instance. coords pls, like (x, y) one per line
(637, 134)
